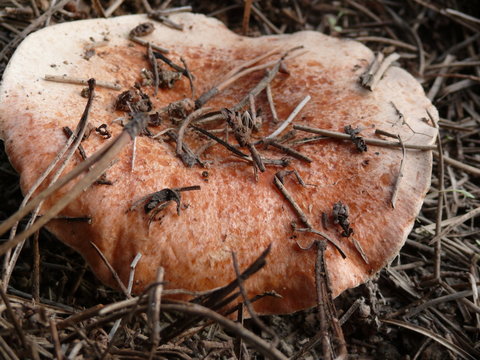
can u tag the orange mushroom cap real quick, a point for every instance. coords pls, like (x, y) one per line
(233, 211)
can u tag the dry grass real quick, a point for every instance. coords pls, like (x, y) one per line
(424, 306)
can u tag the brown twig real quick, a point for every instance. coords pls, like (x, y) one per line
(290, 118)
(271, 104)
(322, 301)
(438, 227)
(114, 273)
(248, 305)
(14, 320)
(247, 7)
(76, 81)
(154, 310)
(36, 268)
(220, 141)
(369, 141)
(289, 151)
(370, 79)
(146, 43)
(190, 78)
(56, 341)
(396, 187)
(69, 133)
(188, 120)
(298, 210)
(154, 65)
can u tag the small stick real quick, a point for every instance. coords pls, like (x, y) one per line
(187, 156)
(253, 111)
(360, 250)
(322, 301)
(294, 153)
(174, 10)
(441, 185)
(266, 21)
(278, 183)
(317, 232)
(170, 63)
(350, 311)
(220, 141)
(181, 131)
(134, 154)
(131, 276)
(112, 270)
(290, 118)
(72, 80)
(36, 268)
(385, 40)
(249, 63)
(68, 132)
(155, 313)
(306, 140)
(6, 349)
(475, 171)
(153, 63)
(137, 40)
(111, 9)
(248, 305)
(246, 16)
(404, 121)
(257, 159)
(369, 141)
(99, 8)
(437, 84)
(146, 6)
(400, 174)
(366, 78)
(165, 20)
(271, 104)
(326, 313)
(56, 341)
(238, 345)
(13, 319)
(190, 78)
(382, 69)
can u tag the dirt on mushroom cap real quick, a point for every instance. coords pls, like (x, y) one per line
(232, 211)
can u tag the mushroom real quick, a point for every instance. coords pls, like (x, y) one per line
(192, 233)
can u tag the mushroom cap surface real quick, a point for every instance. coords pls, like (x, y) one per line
(233, 211)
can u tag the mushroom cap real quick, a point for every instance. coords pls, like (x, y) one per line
(233, 211)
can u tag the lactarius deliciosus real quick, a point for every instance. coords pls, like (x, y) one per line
(360, 198)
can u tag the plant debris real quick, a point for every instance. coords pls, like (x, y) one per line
(142, 29)
(340, 216)
(357, 140)
(134, 100)
(424, 305)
